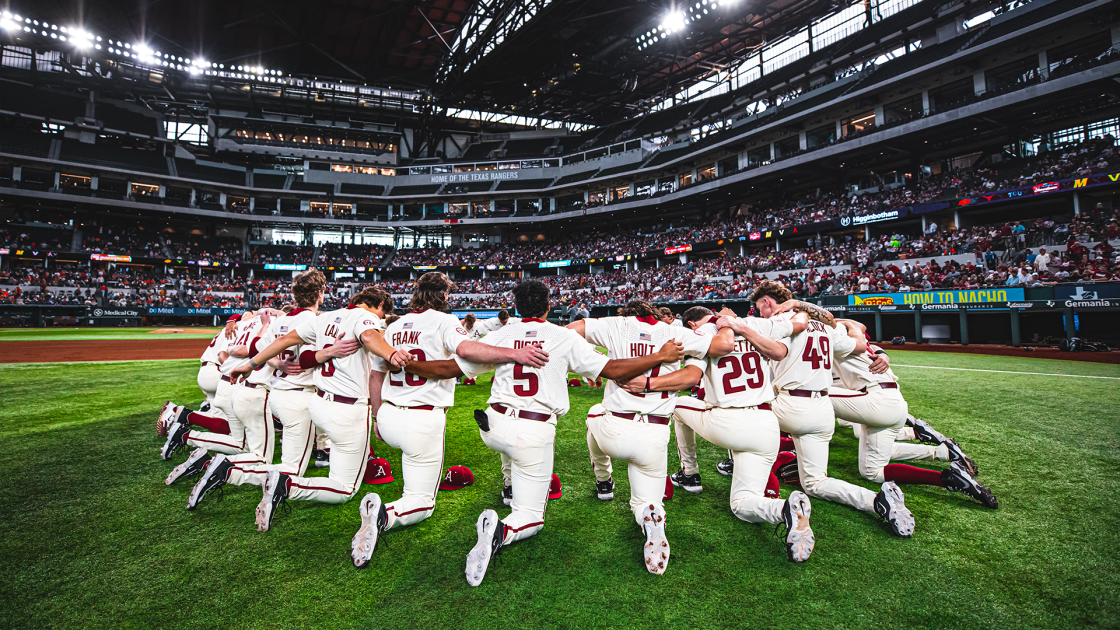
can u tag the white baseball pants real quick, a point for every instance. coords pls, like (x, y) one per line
(641, 444)
(251, 407)
(209, 377)
(528, 445)
(752, 437)
(811, 422)
(419, 434)
(877, 414)
(233, 443)
(348, 427)
(290, 407)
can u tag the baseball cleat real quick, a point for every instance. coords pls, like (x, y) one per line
(195, 464)
(890, 505)
(603, 489)
(167, 416)
(275, 494)
(215, 477)
(726, 467)
(176, 439)
(799, 536)
(690, 483)
(507, 495)
(491, 534)
(957, 455)
(204, 407)
(957, 479)
(924, 432)
(321, 458)
(656, 548)
(374, 520)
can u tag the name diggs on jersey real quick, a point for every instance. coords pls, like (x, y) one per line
(519, 344)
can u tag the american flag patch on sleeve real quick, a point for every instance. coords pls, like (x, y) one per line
(406, 325)
(645, 337)
(530, 333)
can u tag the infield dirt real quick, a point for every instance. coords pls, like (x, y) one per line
(101, 350)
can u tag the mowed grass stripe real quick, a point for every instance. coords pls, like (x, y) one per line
(92, 538)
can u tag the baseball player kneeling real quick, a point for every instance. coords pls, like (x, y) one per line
(736, 414)
(524, 405)
(411, 410)
(341, 404)
(635, 427)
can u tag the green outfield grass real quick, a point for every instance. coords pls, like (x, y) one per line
(76, 334)
(90, 536)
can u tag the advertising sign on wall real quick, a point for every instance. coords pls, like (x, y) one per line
(938, 297)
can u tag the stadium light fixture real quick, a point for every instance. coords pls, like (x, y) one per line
(81, 39)
(674, 22)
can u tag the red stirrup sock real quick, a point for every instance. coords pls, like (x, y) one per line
(901, 473)
(210, 423)
(785, 445)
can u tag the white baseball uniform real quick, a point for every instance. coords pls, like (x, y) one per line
(635, 427)
(523, 408)
(288, 400)
(736, 415)
(340, 406)
(236, 441)
(412, 416)
(209, 372)
(802, 379)
(493, 323)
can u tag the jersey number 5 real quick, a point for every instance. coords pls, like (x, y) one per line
(521, 374)
(817, 354)
(750, 363)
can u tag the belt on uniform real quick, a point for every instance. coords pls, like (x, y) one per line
(420, 407)
(346, 400)
(210, 363)
(634, 416)
(763, 406)
(882, 386)
(521, 413)
(806, 393)
(251, 385)
(225, 378)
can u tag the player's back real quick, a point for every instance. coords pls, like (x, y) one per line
(243, 335)
(217, 344)
(430, 336)
(343, 376)
(742, 377)
(544, 390)
(628, 338)
(280, 327)
(854, 371)
(808, 361)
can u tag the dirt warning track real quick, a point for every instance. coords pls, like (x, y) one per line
(101, 350)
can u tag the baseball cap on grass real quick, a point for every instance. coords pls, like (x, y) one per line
(378, 471)
(456, 477)
(555, 490)
(574, 382)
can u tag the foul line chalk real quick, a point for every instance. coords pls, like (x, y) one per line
(931, 367)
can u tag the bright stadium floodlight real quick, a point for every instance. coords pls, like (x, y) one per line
(8, 22)
(674, 22)
(81, 38)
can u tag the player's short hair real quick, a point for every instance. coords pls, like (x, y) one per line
(307, 286)
(390, 318)
(774, 289)
(531, 298)
(639, 308)
(431, 292)
(288, 307)
(469, 320)
(503, 315)
(374, 297)
(665, 312)
(696, 313)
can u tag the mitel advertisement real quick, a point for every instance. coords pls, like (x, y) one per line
(178, 310)
(938, 297)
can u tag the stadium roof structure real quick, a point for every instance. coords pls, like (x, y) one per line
(582, 61)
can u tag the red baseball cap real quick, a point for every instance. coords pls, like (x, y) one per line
(378, 471)
(457, 477)
(574, 382)
(555, 490)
